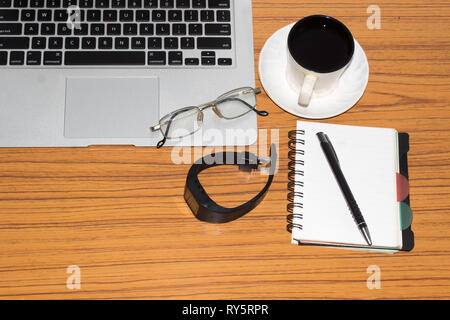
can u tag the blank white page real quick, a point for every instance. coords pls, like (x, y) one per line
(369, 161)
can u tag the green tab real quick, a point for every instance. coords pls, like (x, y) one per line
(406, 216)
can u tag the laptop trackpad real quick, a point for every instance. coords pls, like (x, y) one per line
(111, 107)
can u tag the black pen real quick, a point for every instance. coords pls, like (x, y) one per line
(333, 160)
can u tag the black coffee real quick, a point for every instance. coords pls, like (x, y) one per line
(321, 44)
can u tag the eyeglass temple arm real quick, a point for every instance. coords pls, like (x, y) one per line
(169, 123)
(261, 113)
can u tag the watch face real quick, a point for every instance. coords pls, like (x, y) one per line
(191, 201)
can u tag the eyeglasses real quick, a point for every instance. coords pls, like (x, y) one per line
(187, 121)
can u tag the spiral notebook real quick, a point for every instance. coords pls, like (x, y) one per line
(374, 162)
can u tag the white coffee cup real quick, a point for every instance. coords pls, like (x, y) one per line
(319, 50)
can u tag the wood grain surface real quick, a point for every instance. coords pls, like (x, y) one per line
(118, 212)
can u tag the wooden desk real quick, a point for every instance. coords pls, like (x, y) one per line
(118, 213)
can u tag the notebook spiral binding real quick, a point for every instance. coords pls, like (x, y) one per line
(294, 141)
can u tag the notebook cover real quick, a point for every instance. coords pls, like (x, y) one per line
(403, 149)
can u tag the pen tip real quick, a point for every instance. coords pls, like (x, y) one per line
(366, 234)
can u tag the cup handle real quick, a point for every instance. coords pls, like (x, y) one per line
(307, 90)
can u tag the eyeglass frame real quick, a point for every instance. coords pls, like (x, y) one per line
(213, 104)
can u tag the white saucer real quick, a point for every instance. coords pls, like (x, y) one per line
(272, 72)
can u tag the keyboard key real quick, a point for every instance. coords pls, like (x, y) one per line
(122, 43)
(223, 16)
(38, 43)
(175, 15)
(191, 61)
(118, 4)
(10, 29)
(53, 3)
(36, 3)
(157, 58)
(3, 58)
(110, 15)
(170, 43)
(104, 58)
(27, 15)
(134, 4)
(14, 43)
(9, 15)
(102, 3)
(208, 54)
(86, 4)
(213, 43)
(163, 29)
(138, 43)
(93, 15)
(142, 15)
(150, 3)
(31, 29)
(76, 15)
(155, 43)
(48, 29)
(17, 58)
(53, 58)
(63, 30)
(97, 29)
(55, 43)
(207, 15)
(44, 15)
(5, 3)
(166, 3)
(183, 3)
(191, 16)
(113, 29)
(225, 62)
(216, 4)
(199, 4)
(126, 15)
(69, 3)
(34, 58)
(178, 29)
(146, 29)
(187, 43)
(81, 30)
(72, 43)
(158, 15)
(130, 29)
(209, 61)
(20, 3)
(61, 16)
(175, 58)
(88, 43)
(215, 29)
(105, 43)
(195, 29)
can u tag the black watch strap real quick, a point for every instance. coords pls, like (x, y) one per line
(203, 207)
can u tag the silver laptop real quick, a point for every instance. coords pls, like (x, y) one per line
(105, 71)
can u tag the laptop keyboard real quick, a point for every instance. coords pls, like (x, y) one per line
(150, 33)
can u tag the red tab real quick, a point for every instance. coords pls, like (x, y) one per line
(402, 187)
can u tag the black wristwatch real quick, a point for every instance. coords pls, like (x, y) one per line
(203, 207)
